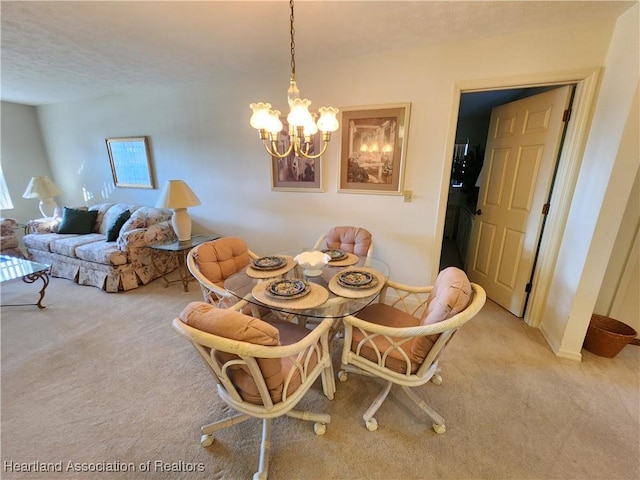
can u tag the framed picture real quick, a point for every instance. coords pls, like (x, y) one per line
(293, 173)
(373, 145)
(130, 162)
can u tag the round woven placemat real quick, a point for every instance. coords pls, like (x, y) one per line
(317, 296)
(256, 273)
(346, 292)
(350, 259)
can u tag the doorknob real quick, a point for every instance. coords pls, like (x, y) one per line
(479, 212)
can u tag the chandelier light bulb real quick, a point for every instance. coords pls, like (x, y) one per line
(299, 116)
(261, 113)
(275, 125)
(328, 121)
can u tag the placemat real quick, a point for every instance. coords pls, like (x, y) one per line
(317, 296)
(346, 292)
(255, 273)
(351, 259)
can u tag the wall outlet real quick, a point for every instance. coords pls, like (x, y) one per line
(408, 195)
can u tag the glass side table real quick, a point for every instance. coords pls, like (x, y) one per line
(13, 267)
(180, 251)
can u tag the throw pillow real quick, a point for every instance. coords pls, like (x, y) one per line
(113, 230)
(77, 221)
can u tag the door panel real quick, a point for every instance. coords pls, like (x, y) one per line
(522, 149)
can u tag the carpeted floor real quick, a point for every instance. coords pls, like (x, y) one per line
(101, 381)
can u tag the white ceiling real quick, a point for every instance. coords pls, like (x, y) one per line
(58, 51)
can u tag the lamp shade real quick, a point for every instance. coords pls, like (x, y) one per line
(44, 189)
(41, 187)
(177, 194)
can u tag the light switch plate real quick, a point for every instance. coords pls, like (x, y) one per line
(408, 195)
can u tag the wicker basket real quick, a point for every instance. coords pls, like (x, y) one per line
(606, 337)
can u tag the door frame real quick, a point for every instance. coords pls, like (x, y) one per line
(587, 81)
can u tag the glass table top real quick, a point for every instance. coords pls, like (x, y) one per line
(326, 298)
(186, 245)
(13, 267)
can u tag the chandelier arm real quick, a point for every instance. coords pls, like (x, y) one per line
(273, 149)
(302, 154)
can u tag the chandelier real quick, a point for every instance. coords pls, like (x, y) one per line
(302, 123)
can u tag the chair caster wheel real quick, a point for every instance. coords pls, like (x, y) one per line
(320, 428)
(436, 379)
(372, 424)
(342, 376)
(206, 440)
(439, 429)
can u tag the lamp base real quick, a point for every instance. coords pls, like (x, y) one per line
(181, 223)
(47, 207)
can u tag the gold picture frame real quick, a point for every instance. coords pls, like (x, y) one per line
(293, 173)
(130, 162)
(373, 147)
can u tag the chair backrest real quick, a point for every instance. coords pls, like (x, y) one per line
(246, 354)
(349, 239)
(451, 294)
(219, 259)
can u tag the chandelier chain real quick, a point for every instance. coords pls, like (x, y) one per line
(293, 43)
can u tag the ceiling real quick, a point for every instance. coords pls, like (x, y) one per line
(58, 51)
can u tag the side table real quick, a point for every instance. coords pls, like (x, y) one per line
(180, 251)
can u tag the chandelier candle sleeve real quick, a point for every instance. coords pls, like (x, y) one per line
(302, 123)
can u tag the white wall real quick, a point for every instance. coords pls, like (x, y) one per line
(23, 156)
(603, 189)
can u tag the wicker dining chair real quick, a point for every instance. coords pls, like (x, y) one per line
(262, 369)
(401, 339)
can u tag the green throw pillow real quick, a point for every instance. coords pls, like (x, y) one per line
(77, 221)
(114, 229)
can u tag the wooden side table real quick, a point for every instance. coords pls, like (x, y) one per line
(180, 251)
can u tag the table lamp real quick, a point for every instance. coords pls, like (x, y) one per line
(44, 189)
(178, 196)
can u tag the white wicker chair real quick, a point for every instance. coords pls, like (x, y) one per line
(402, 342)
(238, 367)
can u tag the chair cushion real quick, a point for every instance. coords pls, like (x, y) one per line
(450, 295)
(349, 239)
(221, 258)
(237, 326)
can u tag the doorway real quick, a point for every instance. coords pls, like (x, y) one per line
(464, 183)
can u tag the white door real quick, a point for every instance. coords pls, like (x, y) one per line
(522, 149)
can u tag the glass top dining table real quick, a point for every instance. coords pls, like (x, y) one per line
(326, 293)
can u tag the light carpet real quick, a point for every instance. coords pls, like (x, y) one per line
(101, 381)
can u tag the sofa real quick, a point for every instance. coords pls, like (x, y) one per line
(107, 248)
(9, 239)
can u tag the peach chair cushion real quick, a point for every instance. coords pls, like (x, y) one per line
(349, 239)
(237, 326)
(450, 295)
(219, 259)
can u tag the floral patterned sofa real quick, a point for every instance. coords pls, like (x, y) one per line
(89, 259)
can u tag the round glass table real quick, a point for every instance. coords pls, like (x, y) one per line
(341, 287)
